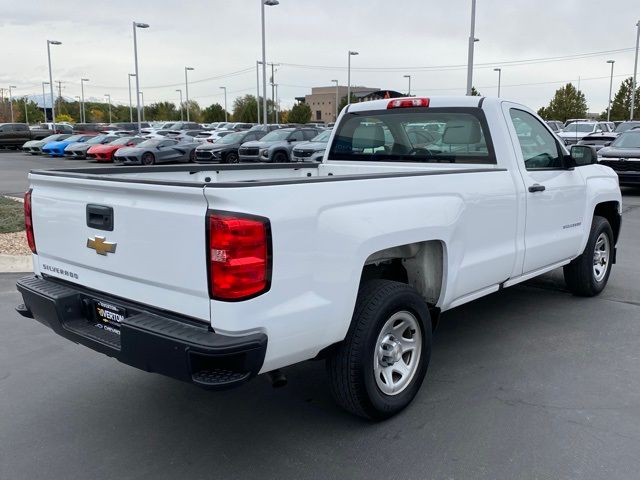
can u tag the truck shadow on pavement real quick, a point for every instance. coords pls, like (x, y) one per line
(483, 352)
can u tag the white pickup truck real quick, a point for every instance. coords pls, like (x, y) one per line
(213, 274)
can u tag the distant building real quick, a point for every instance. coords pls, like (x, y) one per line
(322, 100)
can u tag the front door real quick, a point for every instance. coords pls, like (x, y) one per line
(556, 196)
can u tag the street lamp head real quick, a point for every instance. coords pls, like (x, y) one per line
(84, 79)
(12, 86)
(353, 53)
(54, 42)
(271, 3)
(188, 68)
(141, 25)
(223, 88)
(132, 74)
(497, 69)
(45, 83)
(178, 90)
(407, 76)
(476, 39)
(611, 61)
(334, 80)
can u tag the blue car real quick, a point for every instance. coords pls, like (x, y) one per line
(56, 149)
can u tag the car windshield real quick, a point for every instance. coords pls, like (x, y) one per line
(579, 127)
(403, 135)
(96, 139)
(624, 126)
(153, 142)
(627, 140)
(121, 141)
(231, 138)
(322, 137)
(276, 135)
(54, 138)
(74, 138)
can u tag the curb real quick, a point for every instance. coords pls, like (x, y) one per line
(16, 263)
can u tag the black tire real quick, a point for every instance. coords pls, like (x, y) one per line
(192, 156)
(148, 158)
(351, 365)
(232, 157)
(579, 275)
(280, 157)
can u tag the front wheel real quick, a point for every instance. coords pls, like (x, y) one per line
(280, 157)
(588, 274)
(232, 157)
(148, 159)
(192, 156)
(378, 369)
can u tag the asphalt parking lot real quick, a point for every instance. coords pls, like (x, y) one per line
(530, 382)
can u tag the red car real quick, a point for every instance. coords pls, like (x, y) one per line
(104, 153)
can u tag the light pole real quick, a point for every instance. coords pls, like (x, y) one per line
(269, 3)
(135, 56)
(53, 110)
(351, 54)
(225, 102)
(499, 70)
(258, 62)
(612, 62)
(336, 82)
(82, 115)
(472, 41)
(409, 77)
(130, 101)
(142, 104)
(186, 88)
(11, 101)
(109, 100)
(635, 71)
(277, 105)
(44, 102)
(179, 90)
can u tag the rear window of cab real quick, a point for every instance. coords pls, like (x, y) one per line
(433, 135)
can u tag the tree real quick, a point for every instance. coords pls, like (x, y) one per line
(343, 102)
(475, 93)
(621, 103)
(213, 113)
(34, 113)
(195, 112)
(245, 109)
(163, 111)
(567, 102)
(300, 113)
(62, 117)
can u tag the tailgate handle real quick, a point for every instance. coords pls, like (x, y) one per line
(100, 217)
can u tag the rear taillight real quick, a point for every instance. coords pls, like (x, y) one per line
(28, 222)
(239, 255)
(408, 102)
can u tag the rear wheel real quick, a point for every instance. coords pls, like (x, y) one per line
(280, 157)
(378, 369)
(232, 157)
(588, 274)
(148, 158)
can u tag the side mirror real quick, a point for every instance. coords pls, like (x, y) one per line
(584, 155)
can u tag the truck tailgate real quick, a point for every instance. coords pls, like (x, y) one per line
(159, 257)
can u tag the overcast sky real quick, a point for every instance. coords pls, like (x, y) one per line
(310, 39)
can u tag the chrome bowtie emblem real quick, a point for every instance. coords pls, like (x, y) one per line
(101, 246)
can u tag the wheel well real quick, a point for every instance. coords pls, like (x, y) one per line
(609, 210)
(420, 265)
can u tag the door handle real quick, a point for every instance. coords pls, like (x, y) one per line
(536, 187)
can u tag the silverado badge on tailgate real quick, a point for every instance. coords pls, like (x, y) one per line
(101, 246)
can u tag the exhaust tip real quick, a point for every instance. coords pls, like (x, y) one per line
(277, 379)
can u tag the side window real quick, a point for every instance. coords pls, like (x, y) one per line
(167, 143)
(297, 136)
(22, 128)
(309, 134)
(539, 147)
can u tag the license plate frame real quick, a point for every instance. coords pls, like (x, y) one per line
(108, 314)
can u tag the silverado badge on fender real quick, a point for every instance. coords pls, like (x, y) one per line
(101, 246)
